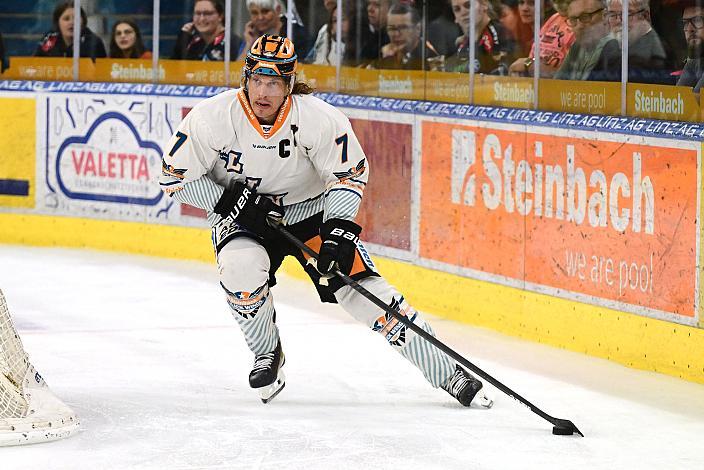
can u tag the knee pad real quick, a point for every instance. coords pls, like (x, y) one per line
(243, 265)
(393, 330)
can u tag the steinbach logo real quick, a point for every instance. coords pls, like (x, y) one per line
(563, 192)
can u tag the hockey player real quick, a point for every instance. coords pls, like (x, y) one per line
(271, 151)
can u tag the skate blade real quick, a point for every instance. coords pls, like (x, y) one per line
(268, 392)
(483, 400)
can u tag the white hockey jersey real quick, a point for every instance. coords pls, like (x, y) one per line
(309, 160)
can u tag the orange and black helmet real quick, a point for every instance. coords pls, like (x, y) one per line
(271, 55)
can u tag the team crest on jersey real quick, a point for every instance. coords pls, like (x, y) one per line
(393, 330)
(168, 170)
(232, 160)
(247, 304)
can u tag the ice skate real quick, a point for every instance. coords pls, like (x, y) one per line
(267, 374)
(467, 389)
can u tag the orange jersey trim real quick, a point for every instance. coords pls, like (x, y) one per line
(278, 123)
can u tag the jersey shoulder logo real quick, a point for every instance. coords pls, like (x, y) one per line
(352, 172)
(169, 170)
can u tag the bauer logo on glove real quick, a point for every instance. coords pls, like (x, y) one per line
(249, 209)
(339, 246)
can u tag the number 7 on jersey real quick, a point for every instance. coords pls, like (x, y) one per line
(181, 139)
(342, 140)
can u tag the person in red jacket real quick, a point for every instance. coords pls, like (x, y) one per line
(59, 41)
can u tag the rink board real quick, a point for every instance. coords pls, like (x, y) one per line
(589, 224)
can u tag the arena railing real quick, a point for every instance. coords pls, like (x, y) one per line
(438, 71)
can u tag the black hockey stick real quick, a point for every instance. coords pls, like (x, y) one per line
(563, 427)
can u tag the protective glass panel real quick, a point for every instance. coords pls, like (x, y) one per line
(125, 30)
(319, 57)
(32, 45)
(193, 42)
(596, 52)
(363, 35)
(665, 44)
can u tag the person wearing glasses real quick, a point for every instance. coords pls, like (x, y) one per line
(204, 37)
(405, 49)
(595, 55)
(646, 55)
(693, 24)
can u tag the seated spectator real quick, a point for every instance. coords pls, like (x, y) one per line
(204, 37)
(443, 31)
(126, 42)
(59, 41)
(493, 45)
(323, 35)
(666, 19)
(4, 63)
(524, 28)
(375, 35)
(693, 23)
(595, 54)
(646, 56)
(325, 50)
(556, 38)
(269, 17)
(405, 47)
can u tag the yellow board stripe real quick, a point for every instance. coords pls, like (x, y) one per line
(635, 341)
(18, 155)
(164, 241)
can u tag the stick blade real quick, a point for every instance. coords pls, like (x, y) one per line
(565, 427)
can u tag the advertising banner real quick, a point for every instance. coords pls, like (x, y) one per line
(39, 68)
(516, 92)
(580, 96)
(605, 218)
(102, 155)
(386, 208)
(662, 102)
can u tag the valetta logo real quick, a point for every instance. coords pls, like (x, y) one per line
(110, 163)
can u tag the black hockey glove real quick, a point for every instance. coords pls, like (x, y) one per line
(340, 239)
(249, 209)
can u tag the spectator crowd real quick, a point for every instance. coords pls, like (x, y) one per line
(579, 39)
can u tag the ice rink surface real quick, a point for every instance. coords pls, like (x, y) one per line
(147, 354)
